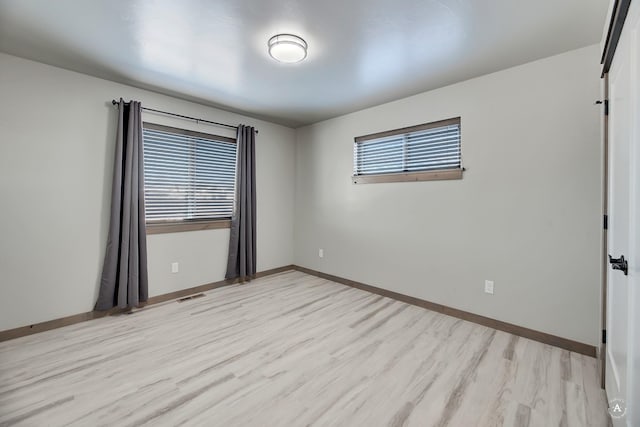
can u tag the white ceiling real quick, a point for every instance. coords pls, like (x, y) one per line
(361, 52)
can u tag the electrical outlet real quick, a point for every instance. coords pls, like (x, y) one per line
(175, 267)
(488, 286)
(321, 253)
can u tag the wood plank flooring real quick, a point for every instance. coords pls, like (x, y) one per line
(292, 350)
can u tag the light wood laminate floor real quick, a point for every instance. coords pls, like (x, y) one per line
(292, 350)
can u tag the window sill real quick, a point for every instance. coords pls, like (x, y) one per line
(409, 176)
(178, 227)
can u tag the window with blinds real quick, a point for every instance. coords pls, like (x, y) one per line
(424, 152)
(188, 176)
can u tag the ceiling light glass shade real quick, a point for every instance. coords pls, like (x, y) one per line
(287, 48)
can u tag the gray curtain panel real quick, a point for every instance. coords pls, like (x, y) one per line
(124, 281)
(242, 241)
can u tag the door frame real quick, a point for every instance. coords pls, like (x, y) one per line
(619, 11)
(602, 355)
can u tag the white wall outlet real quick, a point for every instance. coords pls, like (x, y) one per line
(488, 286)
(321, 253)
(175, 267)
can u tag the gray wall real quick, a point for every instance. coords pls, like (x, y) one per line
(56, 153)
(526, 215)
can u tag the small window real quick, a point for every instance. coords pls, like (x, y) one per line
(189, 179)
(419, 153)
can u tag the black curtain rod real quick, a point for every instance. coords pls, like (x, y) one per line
(114, 102)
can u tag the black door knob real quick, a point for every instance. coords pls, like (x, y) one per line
(619, 264)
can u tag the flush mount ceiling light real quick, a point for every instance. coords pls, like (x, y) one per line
(287, 48)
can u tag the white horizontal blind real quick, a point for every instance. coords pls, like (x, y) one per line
(431, 149)
(187, 177)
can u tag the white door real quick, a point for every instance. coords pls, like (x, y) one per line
(623, 299)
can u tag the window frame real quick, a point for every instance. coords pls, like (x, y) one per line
(176, 226)
(432, 175)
